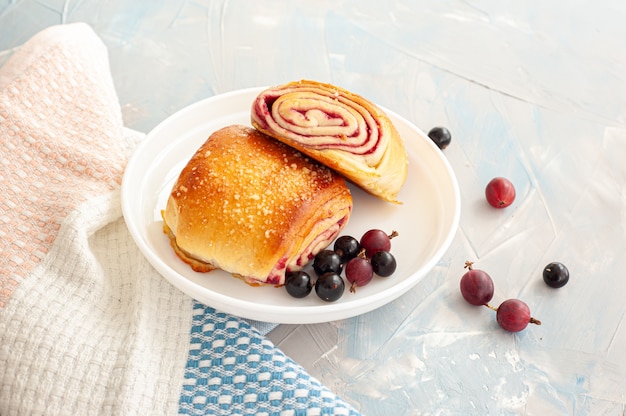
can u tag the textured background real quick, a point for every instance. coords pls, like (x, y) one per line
(530, 90)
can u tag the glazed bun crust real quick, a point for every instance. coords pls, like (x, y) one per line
(254, 207)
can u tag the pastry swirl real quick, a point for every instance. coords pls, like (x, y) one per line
(338, 128)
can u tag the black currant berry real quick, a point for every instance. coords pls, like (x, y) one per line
(298, 284)
(327, 261)
(383, 263)
(329, 287)
(556, 275)
(441, 136)
(347, 247)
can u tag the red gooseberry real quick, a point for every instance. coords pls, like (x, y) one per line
(500, 192)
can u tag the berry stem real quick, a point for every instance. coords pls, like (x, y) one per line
(493, 308)
(468, 265)
(393, 234)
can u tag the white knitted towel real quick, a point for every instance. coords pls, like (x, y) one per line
(87, 327)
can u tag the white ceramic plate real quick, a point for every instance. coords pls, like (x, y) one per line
(426, 221)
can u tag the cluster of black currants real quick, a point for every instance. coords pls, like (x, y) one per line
(512, 315)
(359, 259)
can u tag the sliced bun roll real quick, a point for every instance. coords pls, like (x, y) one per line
(340, 129)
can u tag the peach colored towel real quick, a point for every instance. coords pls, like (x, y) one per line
(79, 332)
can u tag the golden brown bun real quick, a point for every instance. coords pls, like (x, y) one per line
(252, 206)
(340, 129)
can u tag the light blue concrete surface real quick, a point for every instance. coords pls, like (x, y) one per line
(533, 90)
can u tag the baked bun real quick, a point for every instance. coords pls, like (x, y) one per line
(342, 130)
(254, 207)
